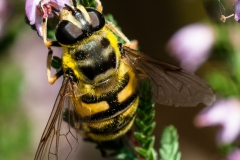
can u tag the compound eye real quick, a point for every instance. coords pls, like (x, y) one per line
(67, 33)
(97, 19)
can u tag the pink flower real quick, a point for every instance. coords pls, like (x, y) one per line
(37, 9)
(191, 45)
(225, 113)
(237, 11)
(235, 155)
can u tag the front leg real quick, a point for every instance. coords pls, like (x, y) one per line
(99, 6)
(114, 29)
(52, 79)
(45, 40)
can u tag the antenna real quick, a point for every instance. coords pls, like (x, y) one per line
(69, 8)
(74, 3)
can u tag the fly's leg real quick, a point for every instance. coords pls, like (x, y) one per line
(44, 11)
(45, 40)
(52, 79)
(113, 28)
(99, 6)
(48, 43)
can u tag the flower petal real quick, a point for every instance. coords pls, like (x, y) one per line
(191, 45)
(237, 11)
(234, 155)
(225, 113)
(36, 17)
(31, 9)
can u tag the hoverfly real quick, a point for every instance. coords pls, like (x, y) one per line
(99, 94)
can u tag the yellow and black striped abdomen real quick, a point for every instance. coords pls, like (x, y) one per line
(112, 113)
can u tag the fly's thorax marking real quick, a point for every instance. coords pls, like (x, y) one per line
(115, 83)
(123, 69)
(107, 44)
(99, 68)
(130, 89)
(96, 60)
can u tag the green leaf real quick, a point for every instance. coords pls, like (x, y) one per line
(228, 148)
(148, 119)
(141, 113)
(149, 129)
(169, 144)
(149, 143)
(149, 107)
(142, 151)
(140, 136)
(152, 155)
(145, 124)
(140, 124)
(236, 66)
(87, 3)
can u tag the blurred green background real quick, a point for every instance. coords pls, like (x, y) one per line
(26, 98)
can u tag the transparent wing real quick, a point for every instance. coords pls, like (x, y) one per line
(60, 138)
(170, 84)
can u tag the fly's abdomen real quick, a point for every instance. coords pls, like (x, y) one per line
(111, 113)
(112, 128)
